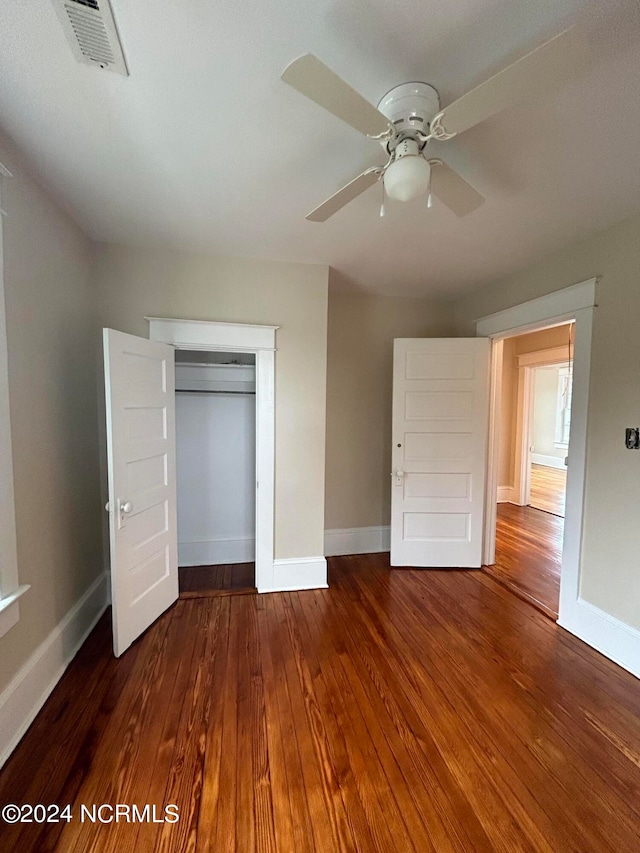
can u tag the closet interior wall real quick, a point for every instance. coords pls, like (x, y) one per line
(215, 450)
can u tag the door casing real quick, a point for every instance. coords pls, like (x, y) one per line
(211, 336)
(571, 303)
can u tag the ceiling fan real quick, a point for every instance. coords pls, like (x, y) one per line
(410, 116)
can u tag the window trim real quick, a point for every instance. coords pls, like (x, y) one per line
(561, 426)
(10, 588)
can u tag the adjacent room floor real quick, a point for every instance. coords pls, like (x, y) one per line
(548, 489)
(529, 541)
(529, 555)
(398, 710)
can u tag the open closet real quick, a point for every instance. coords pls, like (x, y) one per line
(215, 470)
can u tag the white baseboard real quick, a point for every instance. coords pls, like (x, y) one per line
(298, 573)
(356, 540)
(610, 636)
(505, 494)
(548, 461)
(215, 552)
(27, 692)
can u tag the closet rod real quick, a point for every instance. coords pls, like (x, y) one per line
(211, 364)
(207, 391)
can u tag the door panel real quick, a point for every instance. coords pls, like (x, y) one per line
(140, 409)
(440, 417)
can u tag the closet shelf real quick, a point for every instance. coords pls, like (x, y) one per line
(210, 391)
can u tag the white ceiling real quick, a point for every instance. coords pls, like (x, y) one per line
(203, 146)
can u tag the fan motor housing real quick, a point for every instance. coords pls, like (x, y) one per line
(410, 107)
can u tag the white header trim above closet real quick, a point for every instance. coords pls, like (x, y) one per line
(205, 334)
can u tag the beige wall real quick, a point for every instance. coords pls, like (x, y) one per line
(359, 381)
(610, 576)
(51, 336)
(134, 283)
(508, 415)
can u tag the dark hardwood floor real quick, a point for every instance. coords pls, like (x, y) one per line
(529, 555)
(414, 710)
(228, 579)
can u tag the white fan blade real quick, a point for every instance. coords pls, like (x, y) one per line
(452, 189)
(344, 196)
(535, 74)
(312, 78)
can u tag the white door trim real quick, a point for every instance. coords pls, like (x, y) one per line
(572, 303)
(554, 309)
(260, 340)
(524, 417)
(211, 335)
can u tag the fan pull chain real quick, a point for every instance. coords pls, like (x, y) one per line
(382, 202)
(429, 196)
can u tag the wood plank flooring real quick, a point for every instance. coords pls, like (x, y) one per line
(411, 710)
(548, 489)
(227, 579)
(529, 555)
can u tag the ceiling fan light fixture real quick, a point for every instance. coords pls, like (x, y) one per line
(407, 178)
(409, 175)
(410, 115)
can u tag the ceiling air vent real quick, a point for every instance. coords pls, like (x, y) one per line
(91, 31)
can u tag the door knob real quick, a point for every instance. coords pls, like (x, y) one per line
(399, 474)
(124, 509)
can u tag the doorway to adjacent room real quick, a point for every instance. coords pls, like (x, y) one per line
(535, 420)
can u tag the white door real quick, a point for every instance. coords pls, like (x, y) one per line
(440, 421)
(140, 408)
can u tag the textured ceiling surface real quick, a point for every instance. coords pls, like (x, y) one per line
(204, 147)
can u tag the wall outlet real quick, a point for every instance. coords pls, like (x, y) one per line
(632, 438)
